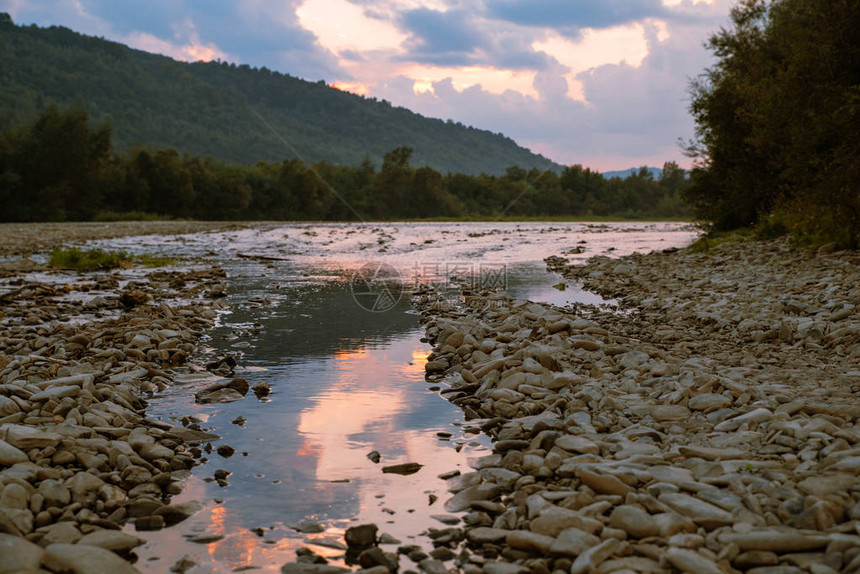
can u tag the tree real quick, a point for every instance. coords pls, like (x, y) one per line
(778, 118)
(429, 198)
(731, 182)
(171, 190)
(394, 181)
(397, 159)
(59, 160)
(583, 187)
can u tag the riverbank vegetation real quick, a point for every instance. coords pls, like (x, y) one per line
(778, 122)
(76, 258)
(62, 167)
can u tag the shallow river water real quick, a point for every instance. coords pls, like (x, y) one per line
(344, 357)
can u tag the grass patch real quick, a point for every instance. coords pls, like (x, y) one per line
(75, 258)
(154, 261)
(715, 239)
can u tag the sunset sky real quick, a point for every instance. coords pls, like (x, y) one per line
(597, 82)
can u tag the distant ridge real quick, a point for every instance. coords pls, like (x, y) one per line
(230, 112)
(625, 173)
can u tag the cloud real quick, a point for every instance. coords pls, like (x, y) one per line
(191, 51)
(551, 83)
(435, 34)
(620, 44)
(69, 13)
(635, 111)
(340, 25)
(129, 17)
(464, 37)
(575, 15)
(255, 32)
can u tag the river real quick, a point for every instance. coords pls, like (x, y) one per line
(342, 352)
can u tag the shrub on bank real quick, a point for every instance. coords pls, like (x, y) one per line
(75, 258)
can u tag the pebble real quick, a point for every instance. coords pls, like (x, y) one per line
(573, 542)
(713, 422)
(776, 540)
(530, 541)
(18, 555)
(261, 389)
(552, 520)
(74, 432)
(432, 566)
(484, 534)
(691, 562)
(479, 492)
(84, 559)
(10, 455)
(702, 513)
(592, 558)
(404, 469)
(305, 568)
(112, 540)
(362, 536)
(634, 521)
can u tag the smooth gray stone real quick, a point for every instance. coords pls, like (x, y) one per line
(85, 559)
(18, 556)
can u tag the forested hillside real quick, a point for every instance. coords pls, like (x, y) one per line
(233, 113)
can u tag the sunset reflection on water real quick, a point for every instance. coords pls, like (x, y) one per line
(344, 382)
(373, 397)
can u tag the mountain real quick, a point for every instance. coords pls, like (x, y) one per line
(625, 173)
(230, 112)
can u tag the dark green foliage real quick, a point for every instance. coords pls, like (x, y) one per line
(74, 258)
(55, 168)
(61, 168)
(234, 113)
(778, 121)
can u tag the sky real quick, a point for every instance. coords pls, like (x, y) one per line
(602, 83)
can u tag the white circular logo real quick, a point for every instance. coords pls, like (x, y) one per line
(376, 287)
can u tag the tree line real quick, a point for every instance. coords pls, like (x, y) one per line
(62, 167)
(778, 122)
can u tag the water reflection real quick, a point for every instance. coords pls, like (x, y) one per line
(344, 381)
(534, 282)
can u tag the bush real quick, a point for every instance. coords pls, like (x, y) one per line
(772, 226)
(74, 258)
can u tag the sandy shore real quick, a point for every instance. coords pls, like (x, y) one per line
(709, 424)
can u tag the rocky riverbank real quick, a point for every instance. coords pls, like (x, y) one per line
(21, 239)
(711, 423)
(79, 458)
